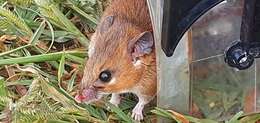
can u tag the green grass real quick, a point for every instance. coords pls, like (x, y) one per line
(43, 47)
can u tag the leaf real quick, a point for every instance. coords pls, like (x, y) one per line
(180, 118)
(61, 68)
(75, 58)
(50, 10)
(235, 118)
(14, 50)
(102, 113)
(72, 5)
(37, 34)
(32, 41)
(52, 36)
(57, 121)
(93, 111)
(28, 14)
(127, 104)
(70, 27)
(51, 91)
(72, 81)
(17, 22)
(3, 92)
(4, 38)
(120, 113)
(196, 120)
(162, 112)
(253, 118)
(21, 2)
(20, 82)
(30, 69)
(40, 58)
(58, 33)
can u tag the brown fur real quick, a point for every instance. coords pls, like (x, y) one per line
(131, 18)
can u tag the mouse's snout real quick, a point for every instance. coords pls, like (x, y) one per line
(86, 95)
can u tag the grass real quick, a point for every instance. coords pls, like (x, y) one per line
(43, 45)
(43, 50)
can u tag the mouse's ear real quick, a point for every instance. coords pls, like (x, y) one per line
(107, 23)
(141, 45)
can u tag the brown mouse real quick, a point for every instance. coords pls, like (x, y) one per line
(121, 56)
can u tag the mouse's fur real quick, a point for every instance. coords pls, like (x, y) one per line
(123, 44)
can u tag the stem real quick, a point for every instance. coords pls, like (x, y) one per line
(40, 58)
(14, 50)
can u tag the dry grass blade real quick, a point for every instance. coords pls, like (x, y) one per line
(179, 116)
(21, 90)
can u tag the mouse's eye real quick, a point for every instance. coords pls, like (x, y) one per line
(105, 76)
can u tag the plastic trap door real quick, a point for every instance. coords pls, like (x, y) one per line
(218, 91)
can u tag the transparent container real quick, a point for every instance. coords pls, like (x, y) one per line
(217, 90)
(196, 80)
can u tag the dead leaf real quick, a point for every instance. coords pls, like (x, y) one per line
(195, 111)
(22, 90)
(250, 100)
(7, 38)
(40, 44)
(178, 116)
(28, 69)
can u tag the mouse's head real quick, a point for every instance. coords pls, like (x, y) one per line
(117, 58)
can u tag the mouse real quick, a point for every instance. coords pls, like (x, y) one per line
(121, 57)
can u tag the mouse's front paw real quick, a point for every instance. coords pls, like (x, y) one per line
(138, 116)
(115, 99)
(137, 113)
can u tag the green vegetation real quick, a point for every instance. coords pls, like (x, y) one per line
(42, 52)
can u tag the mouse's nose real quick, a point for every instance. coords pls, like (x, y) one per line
(80, 98)
(86, 95)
